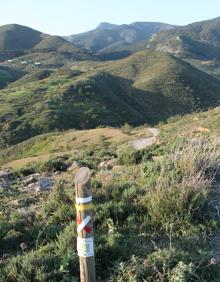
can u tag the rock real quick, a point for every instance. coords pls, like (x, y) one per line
(106, 165)
(73, 166)
(31, 179)
(4, 179)
(32, 187)
(40, 184)
(4, 172)
(44, 183)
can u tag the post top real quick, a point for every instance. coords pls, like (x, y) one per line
(83, 175)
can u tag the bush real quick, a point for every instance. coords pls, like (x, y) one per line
(166, 265)
(55, 164)
(181, 183)
(130, 156)
(34, 266)
(59, 207)
(29, 169)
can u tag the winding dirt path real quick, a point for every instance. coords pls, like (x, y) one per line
(145, 142)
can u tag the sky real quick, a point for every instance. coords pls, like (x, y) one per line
(65, 17)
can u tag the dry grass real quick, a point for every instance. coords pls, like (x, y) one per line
(68, 142)
(185, 181)
(199, 155)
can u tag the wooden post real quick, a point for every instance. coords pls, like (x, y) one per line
(85, 244)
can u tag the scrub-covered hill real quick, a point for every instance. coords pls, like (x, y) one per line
(146, 87)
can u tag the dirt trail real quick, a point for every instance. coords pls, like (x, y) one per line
(215, 205)
(143, 143)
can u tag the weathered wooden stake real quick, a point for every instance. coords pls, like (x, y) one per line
(85, 241)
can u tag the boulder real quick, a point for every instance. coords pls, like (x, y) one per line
(4, 179)
(44, 184)
(33, 178)
(106, 165)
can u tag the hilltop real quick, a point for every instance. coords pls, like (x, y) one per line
(17, 40)
(199, 40)
(110, 41)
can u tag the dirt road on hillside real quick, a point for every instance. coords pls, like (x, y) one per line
(145, 142)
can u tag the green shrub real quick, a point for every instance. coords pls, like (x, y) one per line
(34, 266)
(165, 265)
(66, 249)
(59, 207)
(130, 156)
(55, 164)
(5, 227)
(29, 169)
(174, 194)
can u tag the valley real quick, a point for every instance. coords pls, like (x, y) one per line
(139, 105)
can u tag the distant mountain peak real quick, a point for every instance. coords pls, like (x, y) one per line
(106, 26)
(117, 41)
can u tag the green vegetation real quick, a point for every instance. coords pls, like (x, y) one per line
(197, 40)
(7, 76)
(62, 109)
(162, 234)
(146, 87)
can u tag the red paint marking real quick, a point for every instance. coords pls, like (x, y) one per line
(87, 229)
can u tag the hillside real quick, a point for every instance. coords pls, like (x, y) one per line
(16, 37)
(8, 75)
(17, 40)
(199, 40)
(110, 41)
(46, 146)
(147, 87)
(168, 185)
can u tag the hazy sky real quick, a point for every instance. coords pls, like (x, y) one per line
(66, 17)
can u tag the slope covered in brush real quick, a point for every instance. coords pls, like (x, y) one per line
(198, 40)
(145, 88)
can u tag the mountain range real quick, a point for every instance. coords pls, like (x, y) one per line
(51, 83)
(117, 41)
